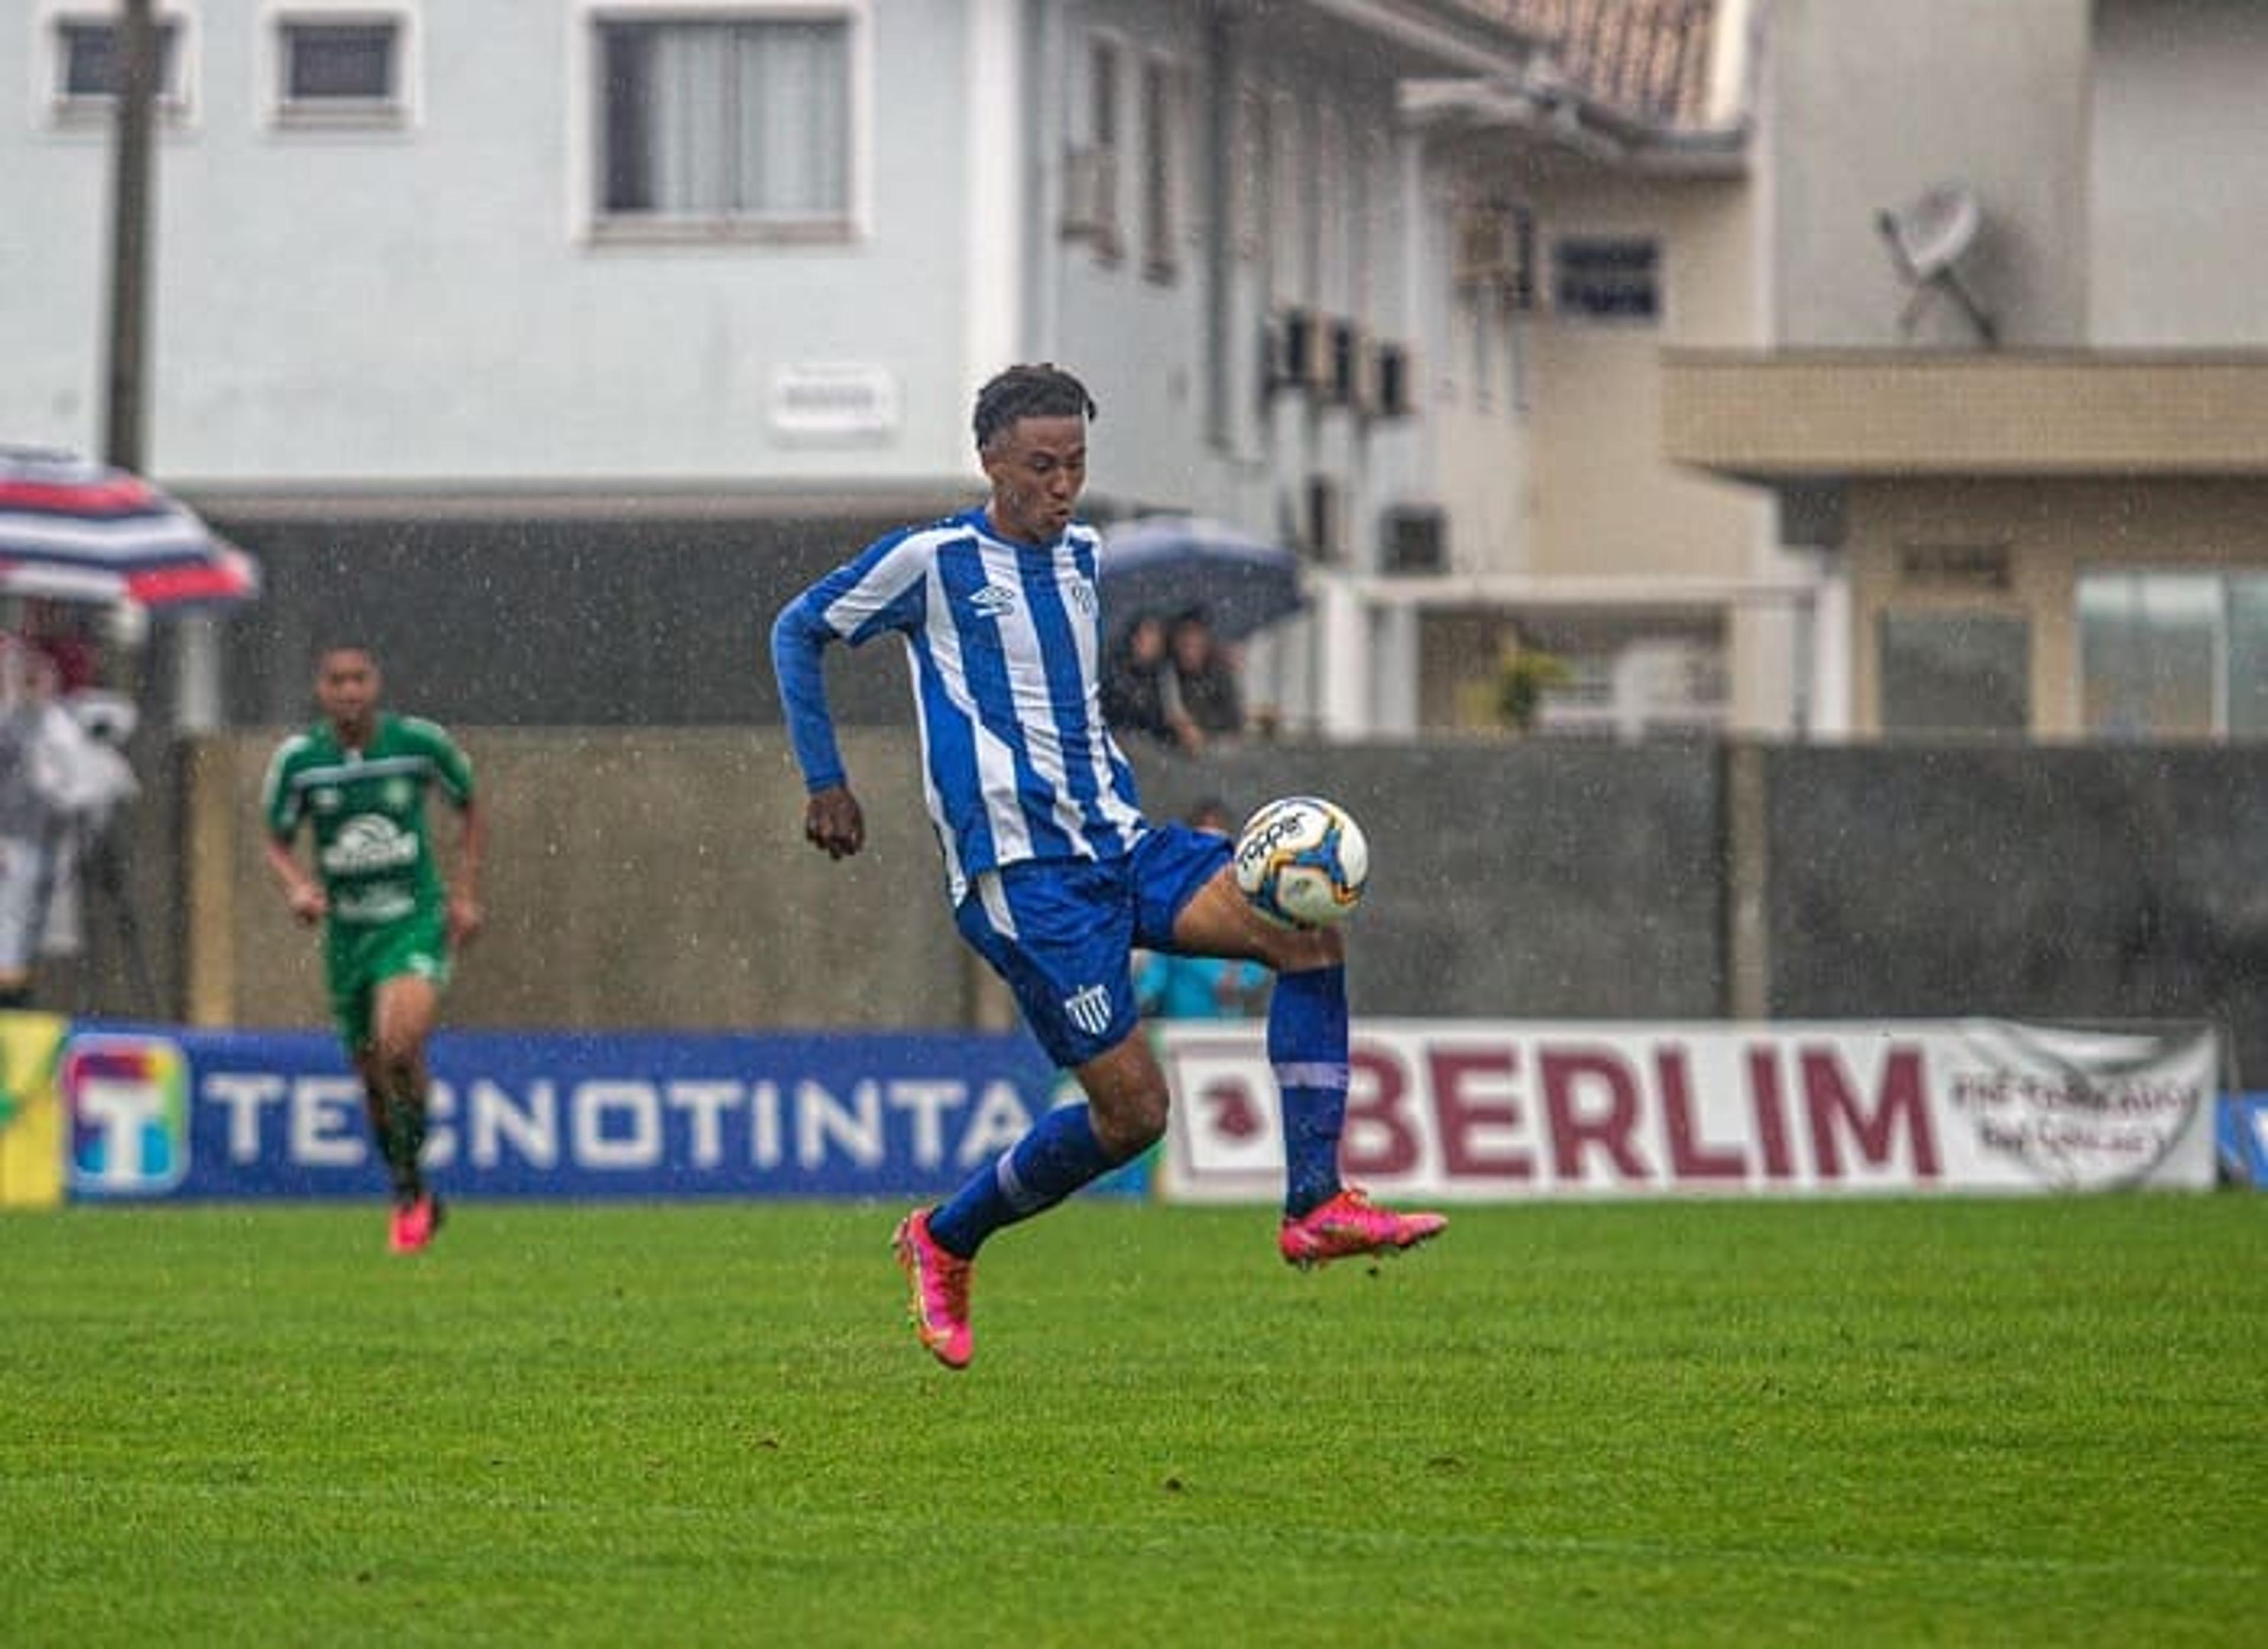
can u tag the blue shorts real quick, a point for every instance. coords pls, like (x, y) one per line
(1061, 932)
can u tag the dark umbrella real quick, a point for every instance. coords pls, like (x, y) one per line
(76, 530)
(1168, 564)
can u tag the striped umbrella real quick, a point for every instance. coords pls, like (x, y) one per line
(76, 530)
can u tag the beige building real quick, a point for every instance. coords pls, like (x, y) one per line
(1874, 370)
(2032, 451)
(1606, 205)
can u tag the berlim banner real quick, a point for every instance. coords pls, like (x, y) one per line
(1479, 1111)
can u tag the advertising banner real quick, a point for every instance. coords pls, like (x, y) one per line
(160, 1111)
(30, 1127)
(1478, 1111)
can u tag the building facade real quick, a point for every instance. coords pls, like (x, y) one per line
(553, 345)
(2015, 389)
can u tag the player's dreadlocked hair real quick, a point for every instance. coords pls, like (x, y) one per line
(1041, 391)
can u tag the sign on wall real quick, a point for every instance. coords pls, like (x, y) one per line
(1449, 1109)
(163, 1112)
(1480, 1111)
(821, 401)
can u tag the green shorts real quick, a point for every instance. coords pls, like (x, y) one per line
(358, 959)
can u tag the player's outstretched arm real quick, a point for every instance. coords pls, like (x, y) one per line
(799, 642)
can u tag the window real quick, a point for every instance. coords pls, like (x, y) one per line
(1102, 122)
(1956, 672)
(733, 121)
(87, 68)
(1090, 184)
(346, 67)
(1597, 278)
(2173, 654)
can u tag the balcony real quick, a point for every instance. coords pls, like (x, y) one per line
(1792, 416)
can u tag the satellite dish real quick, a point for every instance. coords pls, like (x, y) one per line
(1926, 240)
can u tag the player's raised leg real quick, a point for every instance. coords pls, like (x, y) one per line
(1324, 1219)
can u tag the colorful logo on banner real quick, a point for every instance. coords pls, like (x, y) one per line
(127, 1099)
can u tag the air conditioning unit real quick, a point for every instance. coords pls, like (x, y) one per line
(1090, 197)
(1414, 538)
(1388, 388)
(1495, 254)
(1293, 347)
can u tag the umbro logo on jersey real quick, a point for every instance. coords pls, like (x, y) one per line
(1089, 1009)
(993, 601)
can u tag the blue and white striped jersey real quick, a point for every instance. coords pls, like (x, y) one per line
(1006, 642)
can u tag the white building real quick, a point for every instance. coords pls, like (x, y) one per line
(557, 342)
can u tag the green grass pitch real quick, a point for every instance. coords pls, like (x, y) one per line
(1898, 1422)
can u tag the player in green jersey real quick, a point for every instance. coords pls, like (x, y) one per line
(358, 778)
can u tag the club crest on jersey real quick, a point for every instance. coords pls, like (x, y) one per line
(993, 601)
(1089, 1009)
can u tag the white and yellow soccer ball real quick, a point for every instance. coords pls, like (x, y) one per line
(1302, 861)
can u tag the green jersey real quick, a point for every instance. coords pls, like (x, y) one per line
(367, 809)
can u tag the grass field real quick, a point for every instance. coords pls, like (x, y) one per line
(1899, 1422)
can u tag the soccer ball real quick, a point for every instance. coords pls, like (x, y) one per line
(1302, 861)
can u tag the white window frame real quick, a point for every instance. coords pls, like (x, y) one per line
(403, 107)
(176, 105)
(590, 223)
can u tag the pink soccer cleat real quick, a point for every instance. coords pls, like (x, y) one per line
(939, 1309)
(1349, 1224)
(415, 1224)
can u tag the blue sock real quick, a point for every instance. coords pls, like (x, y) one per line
(1057, 1156)
(1308, 1046)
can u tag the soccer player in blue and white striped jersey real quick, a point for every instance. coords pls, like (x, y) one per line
(1055, 876)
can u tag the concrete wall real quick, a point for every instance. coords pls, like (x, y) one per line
(658, 880)
(2099, 883)
(647, 879)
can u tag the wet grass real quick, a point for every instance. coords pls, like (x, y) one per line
(2005, 1421)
